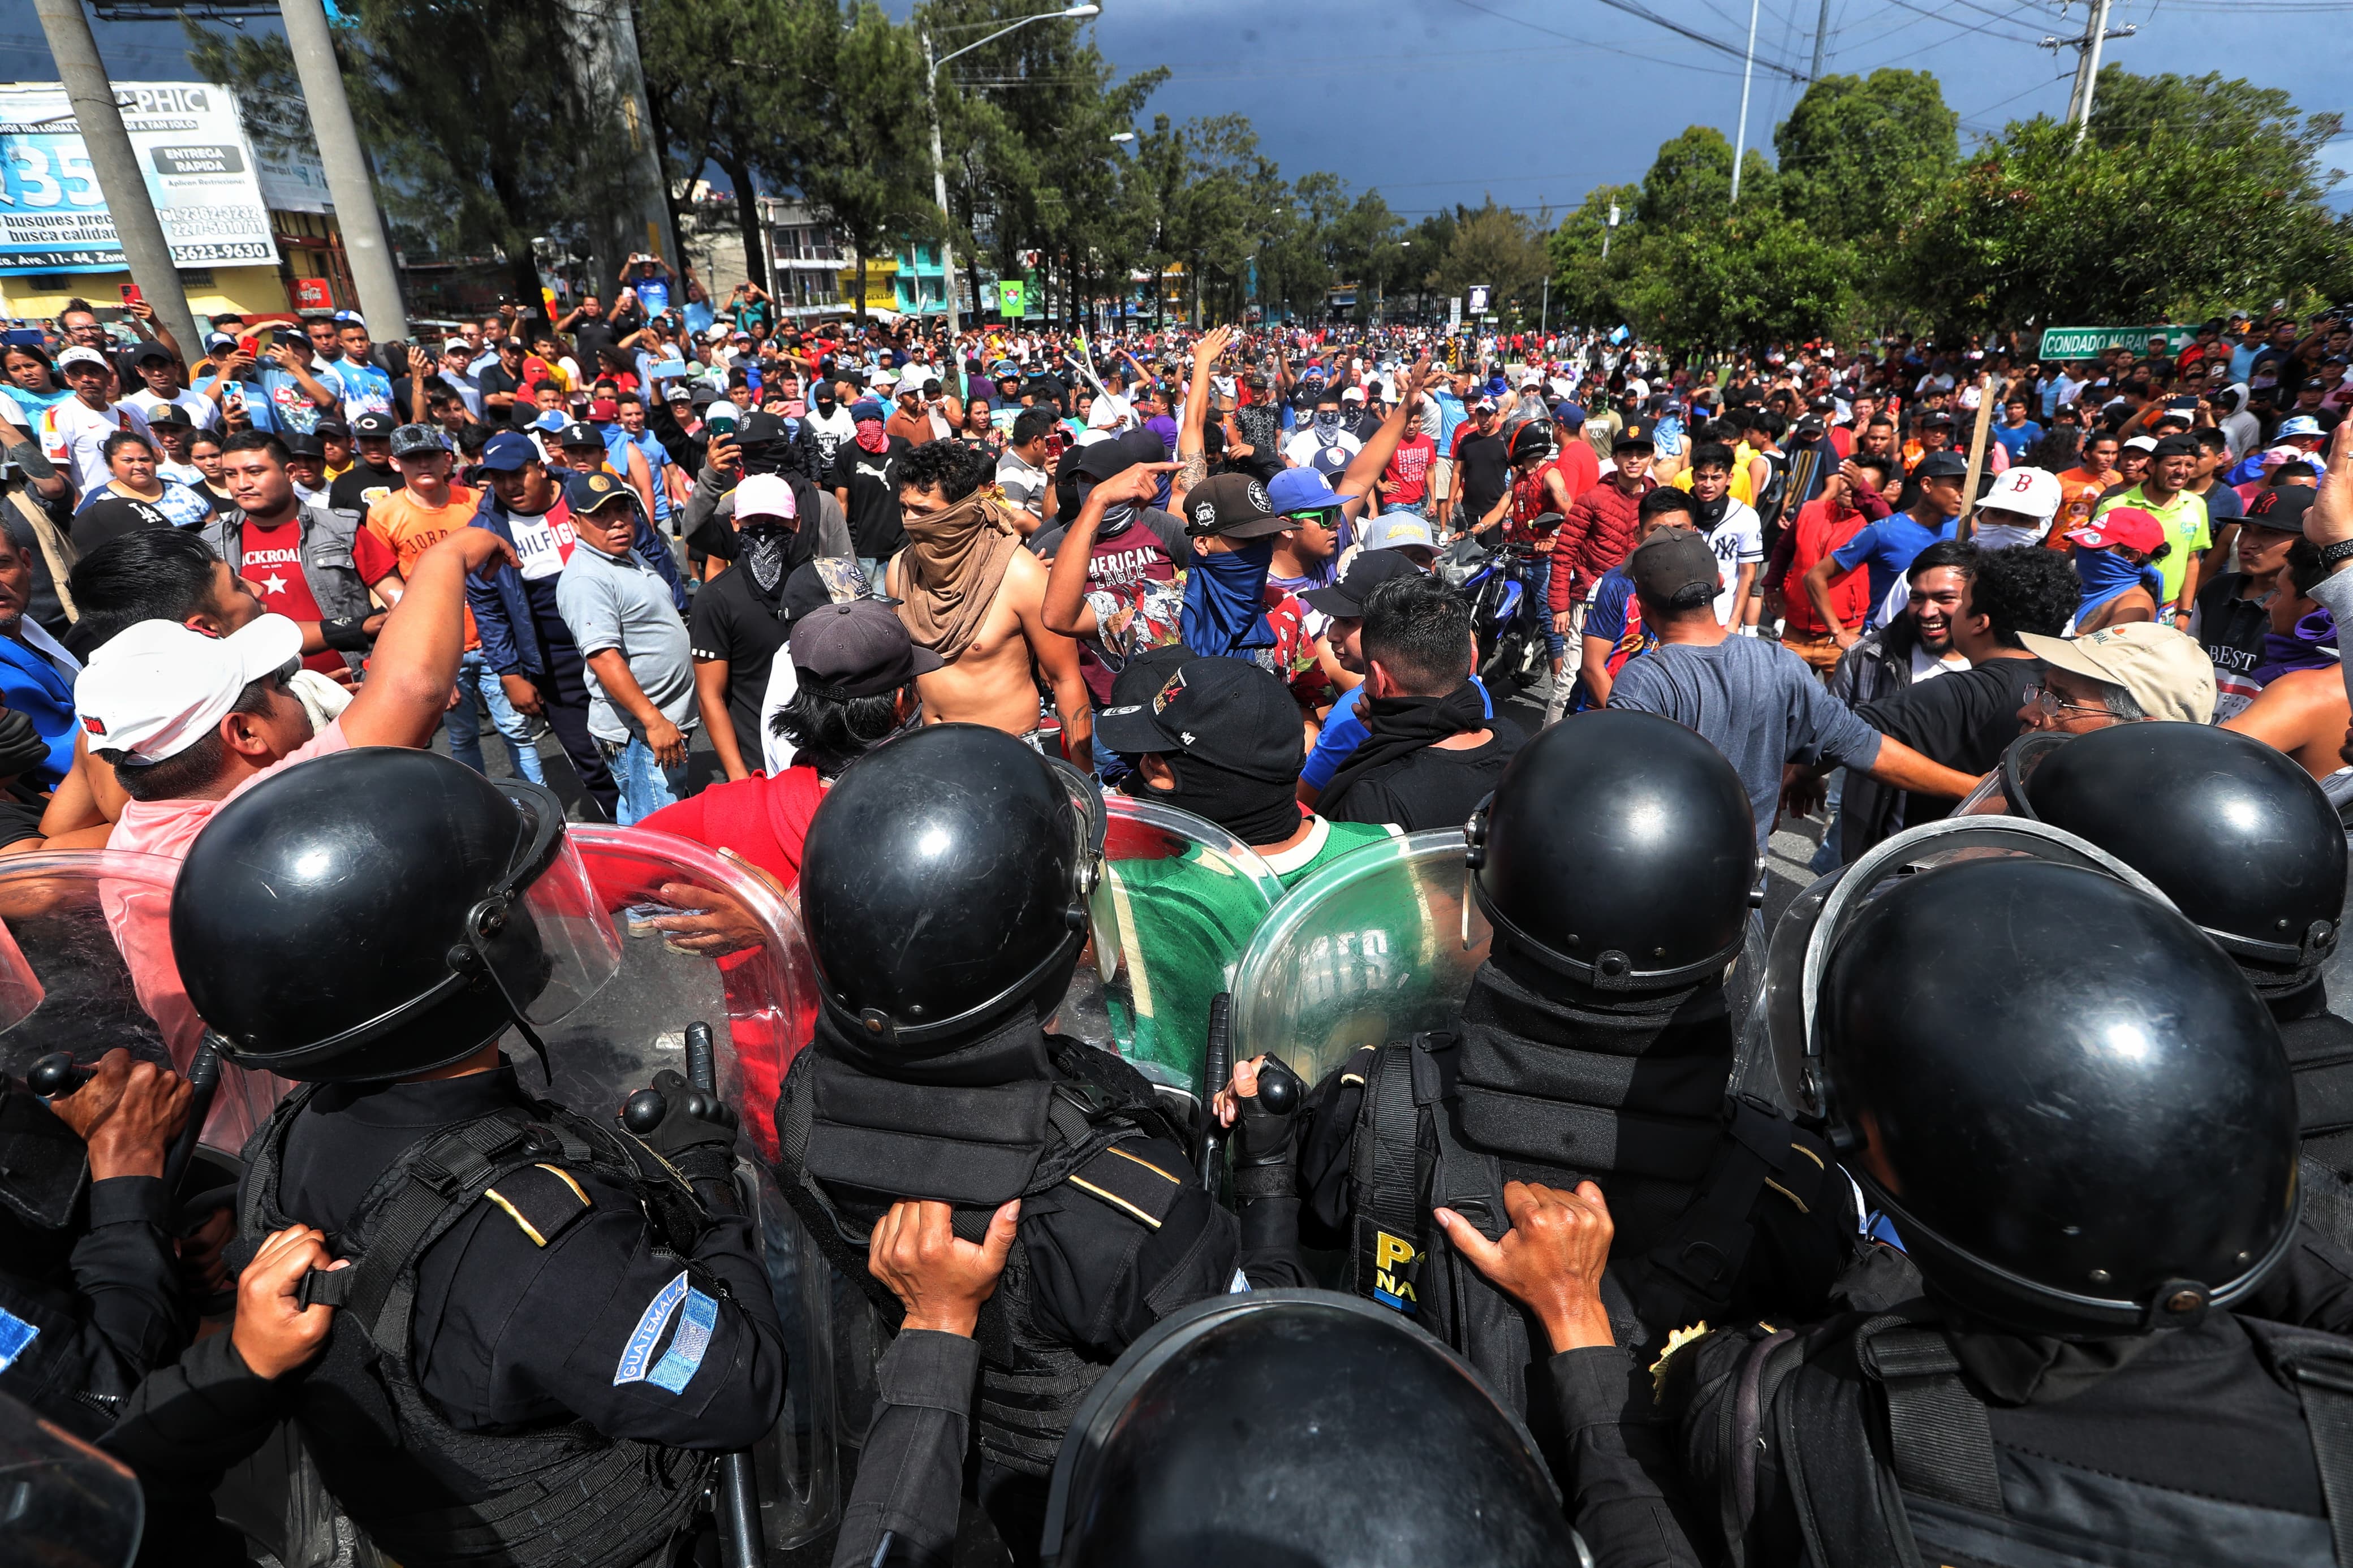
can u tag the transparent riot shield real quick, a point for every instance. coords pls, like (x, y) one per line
(1377, 945)
(93, 930)
(1179, 898)
(63, 1504)
(746, 972)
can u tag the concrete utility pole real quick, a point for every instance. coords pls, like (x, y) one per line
(2087, 63)
(1821, 36)
(365, 245)
(1747, 72)
(144, 250)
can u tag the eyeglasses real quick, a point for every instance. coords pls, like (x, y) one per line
(2041, 698)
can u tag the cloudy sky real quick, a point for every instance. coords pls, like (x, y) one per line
(1536, 101)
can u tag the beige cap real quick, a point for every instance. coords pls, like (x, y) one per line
(2167, 673)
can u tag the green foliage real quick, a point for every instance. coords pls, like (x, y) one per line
(2189, 195)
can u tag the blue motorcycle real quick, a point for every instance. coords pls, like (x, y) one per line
(1507, 617)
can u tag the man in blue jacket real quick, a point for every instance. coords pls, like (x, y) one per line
(523, 637)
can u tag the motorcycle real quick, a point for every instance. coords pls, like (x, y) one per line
(1507, 617)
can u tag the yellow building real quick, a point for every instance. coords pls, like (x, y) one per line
(881, 284)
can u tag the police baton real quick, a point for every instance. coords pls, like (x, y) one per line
(1216, 1067)
(738, 1490)
(57, 1075)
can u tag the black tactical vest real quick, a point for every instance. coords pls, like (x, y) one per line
(559, 1497)
(1882, 1453)
(851, 1141)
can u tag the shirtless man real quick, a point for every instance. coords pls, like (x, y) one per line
(972, 594)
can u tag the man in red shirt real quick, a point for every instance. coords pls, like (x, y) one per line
(1406, 481)
(297, 557)
(1579, 465)
(1600, 531)
(1843, 509)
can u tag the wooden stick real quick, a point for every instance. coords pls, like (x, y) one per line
(1976, 455)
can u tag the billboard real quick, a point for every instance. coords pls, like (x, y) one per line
(1012, 299)
(191, 149)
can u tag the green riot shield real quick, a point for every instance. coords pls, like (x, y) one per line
(1178, 899)
(1377, 945)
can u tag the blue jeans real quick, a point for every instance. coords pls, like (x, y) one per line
(1535, 587)
(465, 725)
(646, 785)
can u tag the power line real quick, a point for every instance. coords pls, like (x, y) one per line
(1608, 48)
(1636, 9)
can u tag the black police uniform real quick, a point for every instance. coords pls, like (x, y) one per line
(1613, 1066)
(930, 1076)
(549, 1327)
(2093, 1165)
(90, 1296)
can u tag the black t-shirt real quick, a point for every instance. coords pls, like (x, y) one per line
(1433, 787)
(1482, 473)
(590, 338)
(872, 484)
(493, 379)
(1965, 720)
(112, 516)
(361, 487)
(731, 620)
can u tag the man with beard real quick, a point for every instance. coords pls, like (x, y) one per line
(1598, 1024)
(971, 595)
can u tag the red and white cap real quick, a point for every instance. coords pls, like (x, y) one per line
(2126, 525)
(158, 688)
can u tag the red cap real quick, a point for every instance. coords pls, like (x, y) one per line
(2126, 525)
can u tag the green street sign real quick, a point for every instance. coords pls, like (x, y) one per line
(1010, 301)
(2088, 342)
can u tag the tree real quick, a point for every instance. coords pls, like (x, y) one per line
(1691, 180)
(1752, 277)
(2258, 125)
(2036, 230)
(485, 142)
(1859, 155)
(1497, 247)
(872, 173)
(1585, 282)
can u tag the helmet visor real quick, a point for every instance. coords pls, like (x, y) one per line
(545, 935)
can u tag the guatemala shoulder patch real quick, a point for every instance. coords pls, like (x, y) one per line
(695, 1313)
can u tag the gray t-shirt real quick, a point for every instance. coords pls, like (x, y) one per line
(1754, 700)
(625, 604)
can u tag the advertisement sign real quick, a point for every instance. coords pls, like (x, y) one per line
(313, 294)
(1478, 293)
(2087, 342)
(191, 148)
(1012, 299)
(1453, 312)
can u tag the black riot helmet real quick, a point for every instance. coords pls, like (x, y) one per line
(1298, 1429)
(2240, 837)
(944, 884)
(379, 913)
(1618, 850)
(2074, 1110)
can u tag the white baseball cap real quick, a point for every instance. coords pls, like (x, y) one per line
(155, 689)
(78, 355)
(766, 495)
(2142, 444)
(2031, 492)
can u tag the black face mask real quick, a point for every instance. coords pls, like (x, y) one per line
(1252, 810)
(826, 404)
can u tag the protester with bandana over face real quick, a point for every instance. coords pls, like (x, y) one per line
(865, 480)
(742, 618)
(970, 593)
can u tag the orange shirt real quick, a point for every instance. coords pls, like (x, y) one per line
(408, 529)
(2079, 492)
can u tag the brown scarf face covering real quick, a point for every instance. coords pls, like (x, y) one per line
(951, 567)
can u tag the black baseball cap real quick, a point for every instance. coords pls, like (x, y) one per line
(1228, 712)
(302, 445)
(1234, 505)
(416, 440)
(169, 413)
(1670, 561)
(2282, 509)
(1366, 571)
(857, 650)
(2180, 445)
(578, 434)
(586, 491)
(1637, 433)
(372, 424)
(1102, 459)
(759, 425)
(1942, 466)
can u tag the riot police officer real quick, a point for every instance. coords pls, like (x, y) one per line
(2247, 846)
(1614, 862)
(2079, 1119)
(945, 888)
(89, 1293)
(548, 1325)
